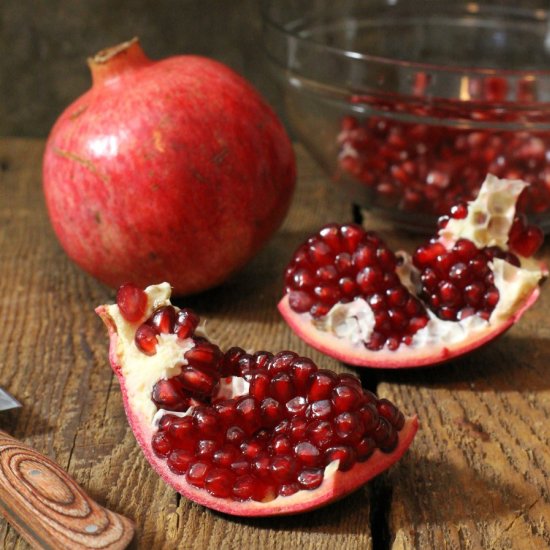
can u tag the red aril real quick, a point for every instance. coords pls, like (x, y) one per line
(463, 288)
(273, 434)
(424, 166)
(177, 168)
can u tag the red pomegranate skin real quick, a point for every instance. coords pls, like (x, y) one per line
(166, 170)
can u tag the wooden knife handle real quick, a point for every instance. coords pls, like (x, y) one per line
(49, 509)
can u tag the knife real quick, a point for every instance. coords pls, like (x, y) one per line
(46, 506)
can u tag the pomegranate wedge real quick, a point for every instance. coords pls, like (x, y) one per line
(348, 295)
(249, 434)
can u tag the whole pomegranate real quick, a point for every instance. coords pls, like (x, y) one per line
(173, 169)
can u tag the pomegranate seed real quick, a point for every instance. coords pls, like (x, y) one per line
(219, 482)
(206, 421)
(307, 453)
(225, 456)
(351, 236)
(302, 369)
(310, 478)
(261, 466)
(272, 412)
(161, 444)
(301, 279)
(390, 412)
(146, 339)
(262, 358)
(226, 411)
(204, 354)
(365, 448)
(300, 301)
(196, 473)
(345, 398)
(186, 323)
(364, 256)
(528, 241)
(240, 467)
(296, 407)
(281, 387)
(346, 455)
(206, 448)
(259, 386)
(244, 448)
(321, 410)
(319, 252)
(465, 250)
(450, 294)
(298, 428)
(321, 384)
(281, 445)
(251, 449)
(281, 362)
(250, 412)
(369, 416)
(331, 235)
(459, 211)
(246, 488)
(165, 421)
(168, 395)
(288, 489)
(343, 263)
(245, 366)
(179, 460)
(348, 427)
(491, 298)
(164, 319)
(182, 430)
(235, 435)
(320, 433)
(369, 279)
(425, 168)
(326, 274)
(198, 380)
(383, 431)
(132, 302)
(231, 360)
(283, 469)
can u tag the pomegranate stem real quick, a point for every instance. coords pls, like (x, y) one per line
(109, 64)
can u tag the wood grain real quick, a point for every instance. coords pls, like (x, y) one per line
(476, 476)
(49, 509)
(55, 362)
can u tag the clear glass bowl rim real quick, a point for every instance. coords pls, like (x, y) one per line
(541, 74)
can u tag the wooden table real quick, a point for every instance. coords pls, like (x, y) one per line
(475, 477)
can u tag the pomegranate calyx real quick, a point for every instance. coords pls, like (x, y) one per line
(110, 63)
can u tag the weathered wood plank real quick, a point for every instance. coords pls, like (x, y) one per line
(55, 361)
(477, 475)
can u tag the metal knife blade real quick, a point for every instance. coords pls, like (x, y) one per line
(30, 485)
(7, 401)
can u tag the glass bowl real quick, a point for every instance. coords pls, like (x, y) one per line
(407, 105)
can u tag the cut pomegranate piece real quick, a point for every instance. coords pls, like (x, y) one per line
(275, 435)
(461, 289)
